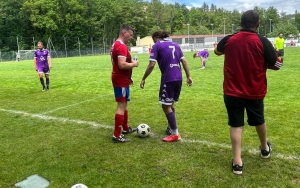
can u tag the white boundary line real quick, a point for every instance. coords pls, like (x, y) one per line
(95, 124)
(56, 109)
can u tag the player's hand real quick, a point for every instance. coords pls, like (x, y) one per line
(142, 84)
(136, 63)
(189, 81)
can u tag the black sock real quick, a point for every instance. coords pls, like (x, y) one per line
(47, 81)
(42, 82)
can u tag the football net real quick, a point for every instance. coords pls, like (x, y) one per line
(25, 55)
(29, 54)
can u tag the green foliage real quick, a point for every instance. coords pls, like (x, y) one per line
(100, 20)
(287, 29)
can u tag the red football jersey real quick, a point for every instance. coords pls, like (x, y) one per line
(120, 77)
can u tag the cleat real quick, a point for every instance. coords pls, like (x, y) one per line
(237, 169)
(172, 138)
(47, 88)
(130, 130)
(44, 89)
(168, 131)
(120, 139)
(264, 153)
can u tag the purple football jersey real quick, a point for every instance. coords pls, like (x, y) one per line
(204, 54)
(42, 57)
(168, 55)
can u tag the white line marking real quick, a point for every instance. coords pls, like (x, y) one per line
(56, 109)
(95, 124)
(44, 117)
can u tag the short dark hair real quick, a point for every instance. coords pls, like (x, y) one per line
(160, 34)
(126, 28)
(249, 19)
(280, 33)
(40, 42)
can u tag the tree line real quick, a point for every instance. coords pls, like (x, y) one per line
(81, 22)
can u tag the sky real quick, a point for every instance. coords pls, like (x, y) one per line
(288, 6)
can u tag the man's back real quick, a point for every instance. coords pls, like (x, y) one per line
(245, 64)
(168, 55)
(203, 53)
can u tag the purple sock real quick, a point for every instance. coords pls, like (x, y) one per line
(172, 120)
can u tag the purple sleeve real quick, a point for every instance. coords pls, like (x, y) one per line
(48, 53)
(153, 54)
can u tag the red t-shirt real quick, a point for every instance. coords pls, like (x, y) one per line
(120, 77)
(247, 57)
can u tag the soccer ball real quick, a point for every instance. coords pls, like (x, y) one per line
(79, 185)
(143, 130)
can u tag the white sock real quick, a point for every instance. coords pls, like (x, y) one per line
(175, 131)
(268, 148)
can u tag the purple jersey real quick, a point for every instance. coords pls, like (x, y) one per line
(168, 55)
(204, 54)
(42, 57)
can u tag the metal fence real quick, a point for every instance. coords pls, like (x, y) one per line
(12, 56)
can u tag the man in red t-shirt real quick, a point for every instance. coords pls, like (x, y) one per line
(247, 56)
(123, 64)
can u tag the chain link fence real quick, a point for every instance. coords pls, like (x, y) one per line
(29, 55)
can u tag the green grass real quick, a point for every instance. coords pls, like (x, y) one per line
(65, 134)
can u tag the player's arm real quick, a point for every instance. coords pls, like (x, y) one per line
(148, 71)
(270, 56)
(219, 49)
(189, 80)
(126, 65)
(35, 61)
(275, 41)
(49, 61)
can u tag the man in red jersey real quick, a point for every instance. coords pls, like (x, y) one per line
(248, 55)
(123, 64)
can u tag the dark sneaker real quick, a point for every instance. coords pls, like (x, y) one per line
(120, 139)
(237, 169)
(264, 153)
(47, 88)
(168, 131)
(44, 89)
(130, 130)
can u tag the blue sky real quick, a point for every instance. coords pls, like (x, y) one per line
(288, 6)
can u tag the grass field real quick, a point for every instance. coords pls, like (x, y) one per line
(65, 134)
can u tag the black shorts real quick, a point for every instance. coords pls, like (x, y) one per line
(236, 108)
(280, 53)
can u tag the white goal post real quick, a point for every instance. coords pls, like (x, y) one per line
(25, 55)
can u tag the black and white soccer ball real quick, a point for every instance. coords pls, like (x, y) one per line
(143, 130)
(79, 185)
